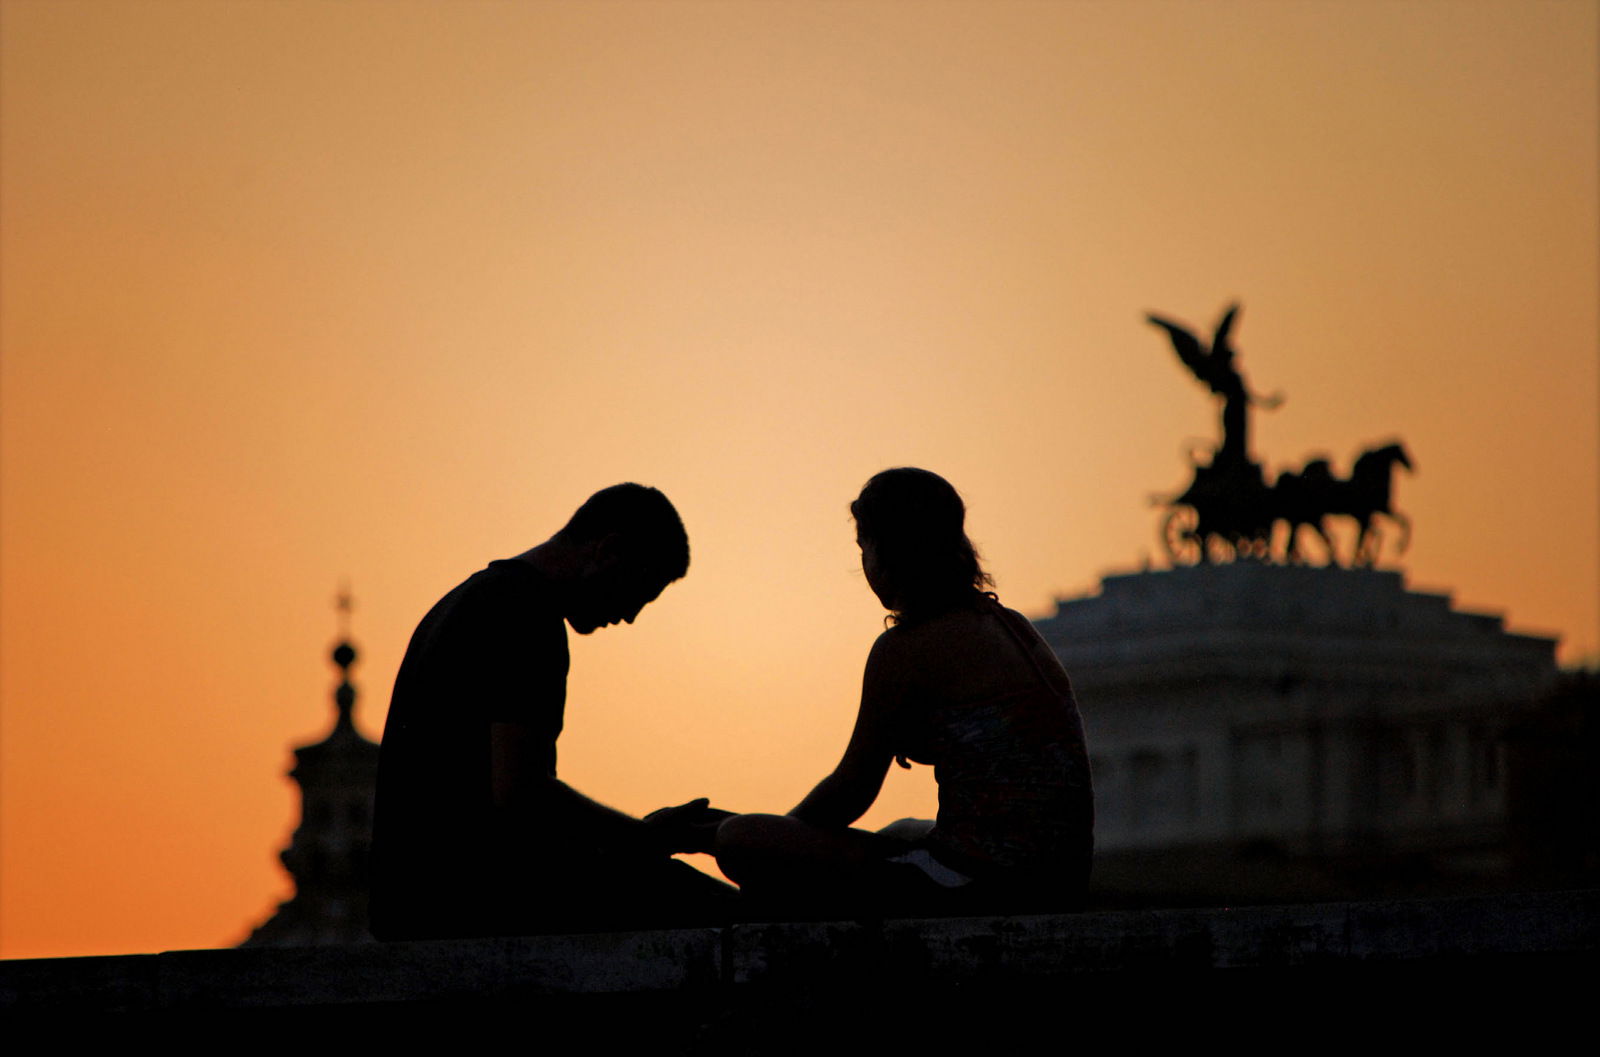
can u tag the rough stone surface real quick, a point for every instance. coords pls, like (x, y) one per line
(713, 984)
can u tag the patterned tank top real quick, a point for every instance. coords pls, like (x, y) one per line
(1015, 797)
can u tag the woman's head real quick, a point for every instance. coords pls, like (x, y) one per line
(911, 527)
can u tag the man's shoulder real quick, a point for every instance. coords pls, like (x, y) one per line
(512, 572)
(505, 581)
(506, 597)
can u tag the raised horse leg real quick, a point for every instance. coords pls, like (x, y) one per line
(1405, 531)
(1368, 542)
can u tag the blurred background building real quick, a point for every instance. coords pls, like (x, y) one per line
(327, 856)
(1266, 732)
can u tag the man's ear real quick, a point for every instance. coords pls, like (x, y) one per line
(605, 552)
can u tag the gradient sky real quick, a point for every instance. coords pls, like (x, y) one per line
(297, 292)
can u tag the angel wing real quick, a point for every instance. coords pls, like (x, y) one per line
(1189, 349)
(1221, 351)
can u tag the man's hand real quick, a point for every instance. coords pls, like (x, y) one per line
(688, 827)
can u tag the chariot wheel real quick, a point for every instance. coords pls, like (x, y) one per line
(1178, 535)
(1219, 549)
(1255, 548)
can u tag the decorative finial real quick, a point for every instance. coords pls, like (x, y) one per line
(344, 655)
(343, 603)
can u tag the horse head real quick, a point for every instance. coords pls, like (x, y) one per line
(1379, 460)
(1369, 495)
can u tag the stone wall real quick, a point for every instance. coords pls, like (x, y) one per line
(759, 987)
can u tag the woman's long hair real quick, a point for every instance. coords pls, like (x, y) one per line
(916, 524)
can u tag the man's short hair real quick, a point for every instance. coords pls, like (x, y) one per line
(646, 522)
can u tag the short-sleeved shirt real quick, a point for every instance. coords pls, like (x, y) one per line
(492, 650)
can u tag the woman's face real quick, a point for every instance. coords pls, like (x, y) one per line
(873, 571)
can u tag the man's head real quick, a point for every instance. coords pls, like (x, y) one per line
(630, 544)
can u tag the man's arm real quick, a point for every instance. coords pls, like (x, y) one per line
(523, 786)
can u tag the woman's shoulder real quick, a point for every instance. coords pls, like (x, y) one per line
(906, 648)
(941, 636)
(956, 656)
(891, 643)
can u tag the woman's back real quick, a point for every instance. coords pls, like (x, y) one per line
(987, 704)
(973, 652)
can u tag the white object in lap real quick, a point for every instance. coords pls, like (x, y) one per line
(937, 872)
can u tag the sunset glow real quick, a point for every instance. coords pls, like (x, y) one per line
(293, 293)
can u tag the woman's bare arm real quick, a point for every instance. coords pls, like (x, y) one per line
(844, 796)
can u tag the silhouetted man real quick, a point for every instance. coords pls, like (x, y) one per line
(474, 834)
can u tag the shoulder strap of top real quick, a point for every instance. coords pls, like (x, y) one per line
(1027, 640)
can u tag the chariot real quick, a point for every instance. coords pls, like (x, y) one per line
(1225, 513)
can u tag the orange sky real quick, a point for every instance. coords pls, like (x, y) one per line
(292, 292)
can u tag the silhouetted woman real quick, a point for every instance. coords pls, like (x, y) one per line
(959, 682)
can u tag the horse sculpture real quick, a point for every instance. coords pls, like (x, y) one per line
(1311, 496)
(1301, 499)
(1366, 495)
(1228, 512)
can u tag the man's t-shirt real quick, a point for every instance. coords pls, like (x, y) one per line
(445, 860)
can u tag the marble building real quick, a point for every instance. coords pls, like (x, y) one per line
(1311, 711)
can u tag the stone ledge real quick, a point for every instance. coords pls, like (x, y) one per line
(719, 968)
(1166, 941)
